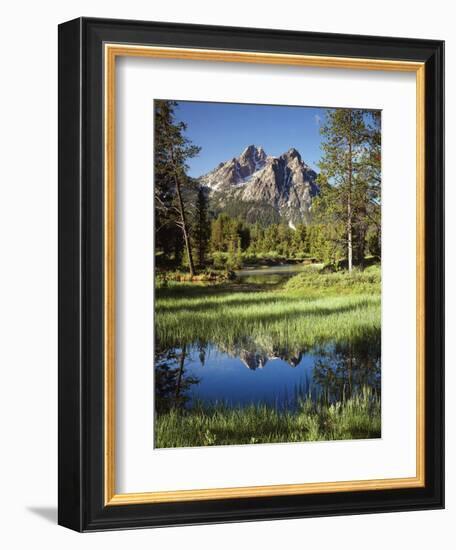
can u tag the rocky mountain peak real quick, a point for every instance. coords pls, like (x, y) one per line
(284, 185)
(251, 159)
(292, 153)
(236, 171)
(253, 151)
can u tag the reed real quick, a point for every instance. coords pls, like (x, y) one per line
(358, 417)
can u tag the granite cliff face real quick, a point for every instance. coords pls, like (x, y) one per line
(256, 182)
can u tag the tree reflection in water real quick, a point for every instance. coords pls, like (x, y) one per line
(337, 372)
(172, 382)
(343, 370)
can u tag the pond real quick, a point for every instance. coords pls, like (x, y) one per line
(269, 274)
(242, 375)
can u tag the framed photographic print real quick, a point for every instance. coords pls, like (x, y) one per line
(250, 274)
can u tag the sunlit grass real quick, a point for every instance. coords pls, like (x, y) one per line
(309, 309)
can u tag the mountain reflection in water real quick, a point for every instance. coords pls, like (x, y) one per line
(248, 373)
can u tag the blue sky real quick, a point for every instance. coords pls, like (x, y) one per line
(224, 130)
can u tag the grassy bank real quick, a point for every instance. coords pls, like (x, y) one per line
(309, 309)
(355, 418)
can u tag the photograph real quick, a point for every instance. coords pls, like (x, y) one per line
(267, 251)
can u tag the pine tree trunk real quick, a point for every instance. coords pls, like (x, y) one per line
(200, 240)
(182, 215)
(184, 226)
(349, 232)
(349, 201)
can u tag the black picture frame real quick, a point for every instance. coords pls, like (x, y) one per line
(81, 398)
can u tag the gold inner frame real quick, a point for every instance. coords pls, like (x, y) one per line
(111, 52)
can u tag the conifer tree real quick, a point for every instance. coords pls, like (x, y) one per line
(172, 150)
(345, 179)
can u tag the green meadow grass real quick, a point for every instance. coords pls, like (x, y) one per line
(356, 418)
(311, 308)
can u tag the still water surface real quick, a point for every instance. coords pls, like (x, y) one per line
(270, 274)
(247, 373)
